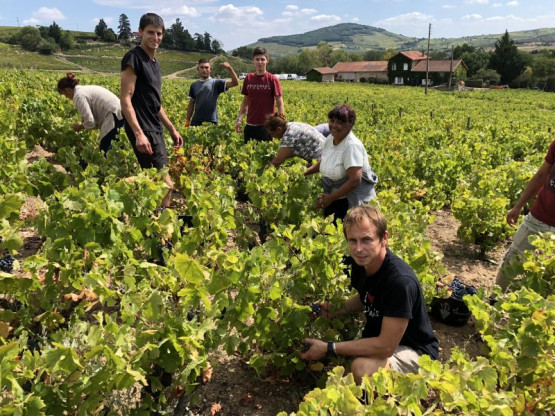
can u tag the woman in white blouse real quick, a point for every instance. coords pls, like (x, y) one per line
(347, 178)
(99, 108)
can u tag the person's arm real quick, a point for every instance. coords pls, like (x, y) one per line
(350, 306)
(531, 190)
(242, 111)
(87, 117)
(234, 78)
(355, 178)
(128, 80)
(313, 169)
(176, 137)
(381, 347)
(283, 154)
(279, 104)
(190, 111)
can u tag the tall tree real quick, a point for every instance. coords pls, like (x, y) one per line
(506, 59)
(100, 28)
(207, 41)
(217, 46)
(199, 41)
(55, 32)
(124, 28)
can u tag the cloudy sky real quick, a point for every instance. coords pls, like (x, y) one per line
(242, 22)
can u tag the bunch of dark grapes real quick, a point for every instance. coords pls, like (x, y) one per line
(6, 264)
(459, 289)
(192, 315)
(315, 310)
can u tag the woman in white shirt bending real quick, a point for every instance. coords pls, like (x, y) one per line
(99, 108)
(347, 178)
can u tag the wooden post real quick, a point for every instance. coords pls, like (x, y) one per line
(400, 112)
(468, 123)
(432, 115)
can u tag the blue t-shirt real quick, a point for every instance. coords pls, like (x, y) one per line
(205, 94)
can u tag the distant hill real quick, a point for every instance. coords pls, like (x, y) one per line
(353, 37)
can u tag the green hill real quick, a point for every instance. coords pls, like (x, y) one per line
(354, 37)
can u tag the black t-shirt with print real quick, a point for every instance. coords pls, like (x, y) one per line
(146, 98)
(394, 291)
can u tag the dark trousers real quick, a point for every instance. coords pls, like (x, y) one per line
(338, 208)
(258, 133)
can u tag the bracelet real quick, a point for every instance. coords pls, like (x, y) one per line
(331, 350)
(238, 120)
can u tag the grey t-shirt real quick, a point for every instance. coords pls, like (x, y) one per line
(205, 93)
(304, 140)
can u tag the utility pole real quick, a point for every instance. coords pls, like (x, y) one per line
(428, 58)
(17, 21)
(451, 68)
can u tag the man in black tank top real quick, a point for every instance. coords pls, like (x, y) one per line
(141, 100)
(397, 330)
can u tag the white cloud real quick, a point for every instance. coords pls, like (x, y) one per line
(355, 20)
(326, 19)
(295, 11)
(474, 16)
(447, 6)
(182, 11)
(403, 19)
(44, 15)
(497, 5)
(237, 15)
(476, 1)
(512, 3)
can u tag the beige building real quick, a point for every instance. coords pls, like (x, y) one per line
(373, 71)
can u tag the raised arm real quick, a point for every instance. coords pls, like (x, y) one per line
(234, 78)
(128, 80)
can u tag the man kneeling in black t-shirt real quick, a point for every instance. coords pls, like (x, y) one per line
(397, 329)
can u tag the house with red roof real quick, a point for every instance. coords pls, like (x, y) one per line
(362, 71)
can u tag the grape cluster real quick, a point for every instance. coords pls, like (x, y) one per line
(316, 310)
(459, 289)
(191, 315)
(6, 264)
(305, 347)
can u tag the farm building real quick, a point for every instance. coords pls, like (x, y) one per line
(409, 68)
(439, 71)
(322, 74)
(371, 71)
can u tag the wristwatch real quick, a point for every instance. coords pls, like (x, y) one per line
(331, 350)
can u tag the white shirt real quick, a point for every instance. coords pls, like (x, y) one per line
(337, 159)
(96, 106)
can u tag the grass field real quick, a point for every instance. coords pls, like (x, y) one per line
(16, 58)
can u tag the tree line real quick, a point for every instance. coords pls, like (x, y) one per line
(50, 39)
(505, 64)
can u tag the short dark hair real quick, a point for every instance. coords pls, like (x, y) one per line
(343, 113)
(259, 50)
(203, 61)
(356, 214)
(151, 19)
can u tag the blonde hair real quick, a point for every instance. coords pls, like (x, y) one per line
(356, 214)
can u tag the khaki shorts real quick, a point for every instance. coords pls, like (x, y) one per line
(404, 360)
